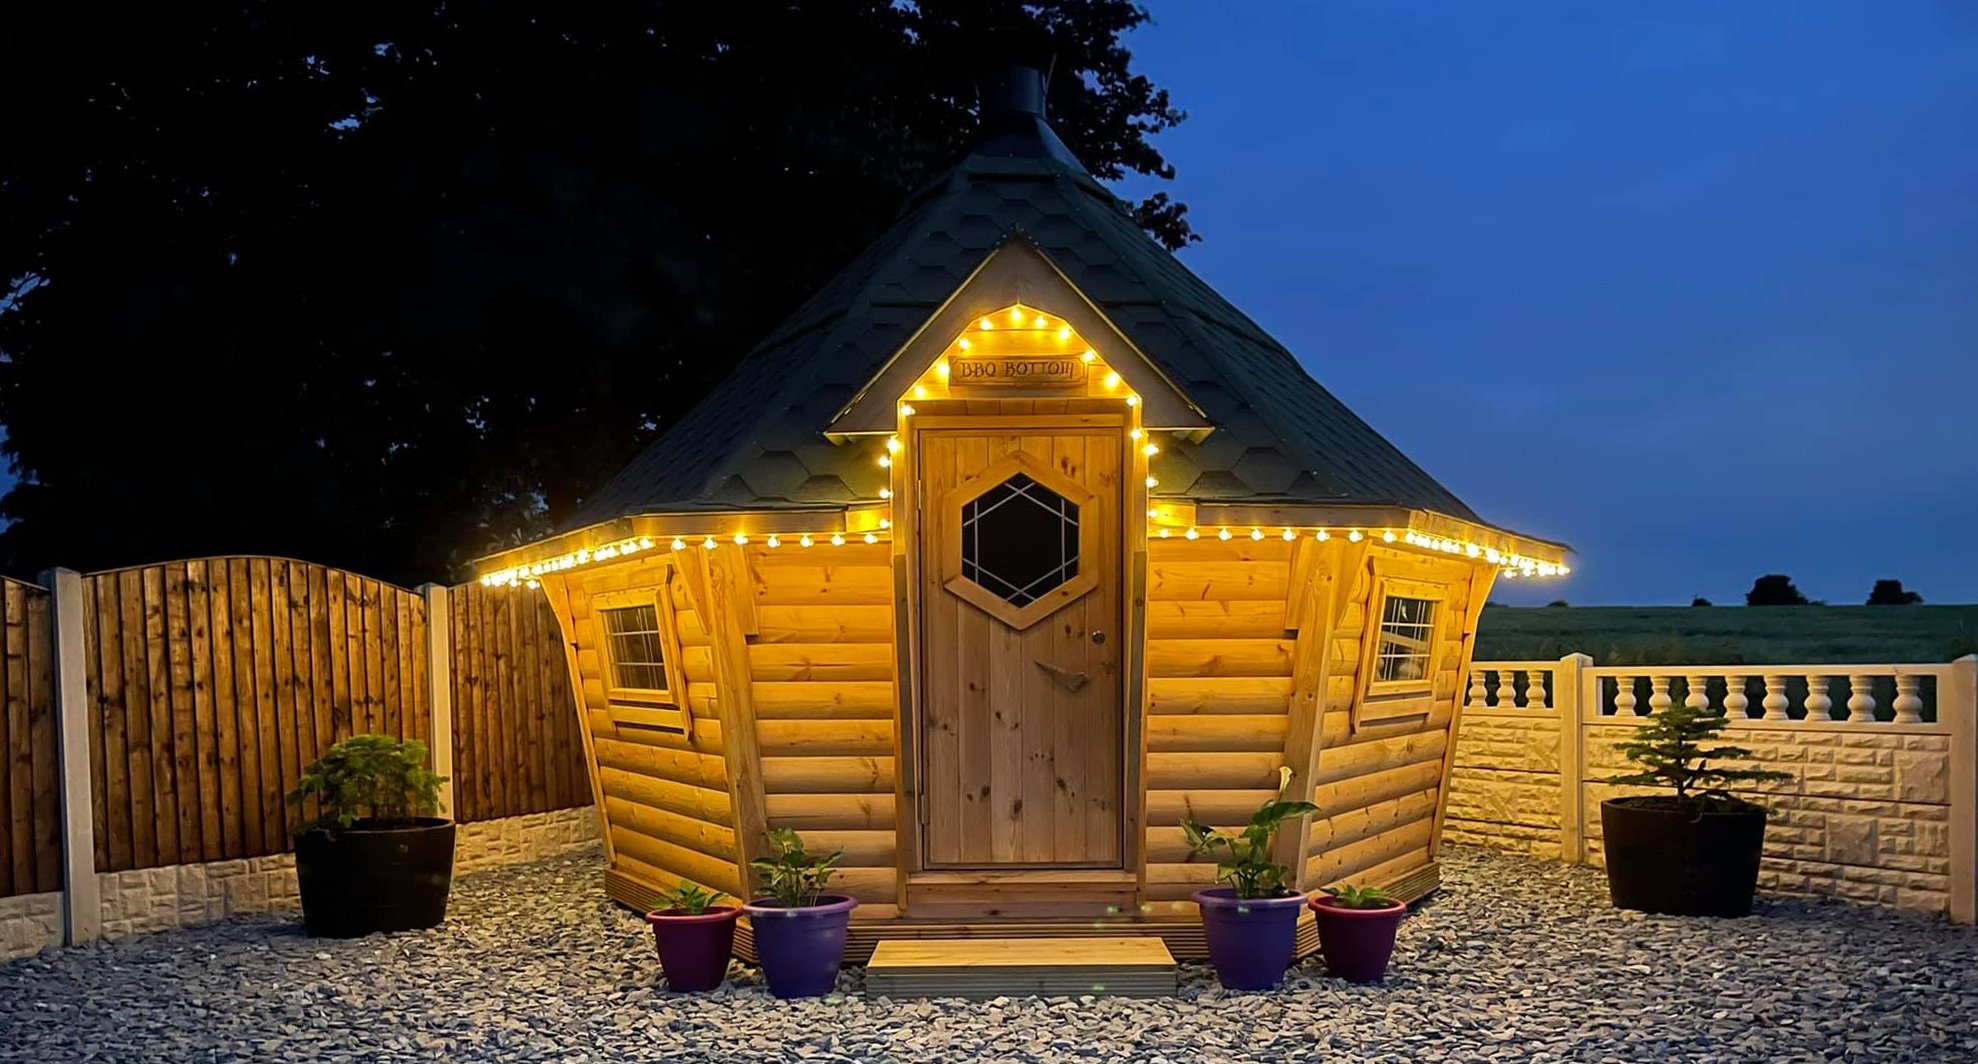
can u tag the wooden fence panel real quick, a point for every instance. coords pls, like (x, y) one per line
(215, 682)
(516, 745)
(30, 840)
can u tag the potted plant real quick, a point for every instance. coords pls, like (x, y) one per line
(1251, 925)
(694, 936)
(799, 929)
(1356, 930)
(1694, 852)
(379, 857)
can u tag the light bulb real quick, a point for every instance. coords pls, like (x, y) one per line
(1164, 533)
(1133, 434)
(1064, 333)
(885, 493)
(837, 540)
(885, 461)
(906, 409)
(1322, 535)
(708, 543)
(1256, 533)
(1290, 534)
(1112, 379)
(1150, 450)
(1387, 536)
(774, 542)
(986, 324)
(893, 444)
(871, 538)
(1016, 315)
(919, 392)
(1037, 322)
(1353, 536)
(1133, 400)
(1153, 482)
(1088, 356)
(1223, 535)
(804, 540)
(741, 540)
(1192, 534)
(941, 367)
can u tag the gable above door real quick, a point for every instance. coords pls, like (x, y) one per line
(1016, 273)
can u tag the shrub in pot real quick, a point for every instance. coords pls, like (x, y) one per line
(1251, 926)
(1356, 930)
(1693, 852)
(694, 936)
(379, 857)
(799, 929)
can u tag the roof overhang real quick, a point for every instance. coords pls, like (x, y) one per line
(658, 528)
(1373, 519)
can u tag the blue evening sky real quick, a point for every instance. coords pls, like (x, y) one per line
(1691, 286)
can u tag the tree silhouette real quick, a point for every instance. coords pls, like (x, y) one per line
(390, 285)
(1891, 593)
(1774, 589)
(1700, 602)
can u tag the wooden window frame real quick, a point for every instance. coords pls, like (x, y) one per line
(641, 707)
(1382, 701)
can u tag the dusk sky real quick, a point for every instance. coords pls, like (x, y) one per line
(1690, 286)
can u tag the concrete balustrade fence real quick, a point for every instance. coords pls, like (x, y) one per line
(154, 718)
(1881, 807)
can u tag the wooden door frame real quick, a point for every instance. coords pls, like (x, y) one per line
(908, 781)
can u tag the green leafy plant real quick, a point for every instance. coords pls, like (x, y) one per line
(790, 874)
(689, 898)
(1669, 751)
(1243, 859)
(1348, 896)
(372, 778)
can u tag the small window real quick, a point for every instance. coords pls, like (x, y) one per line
(635, 649)
(1020, 540)
(1407, 632)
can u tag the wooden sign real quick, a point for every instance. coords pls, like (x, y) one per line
(1026, 370)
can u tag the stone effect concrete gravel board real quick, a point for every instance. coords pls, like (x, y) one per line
(158, 899)
(1865, 817)
(1514, 960)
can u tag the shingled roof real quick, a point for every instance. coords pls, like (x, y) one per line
(757, 441)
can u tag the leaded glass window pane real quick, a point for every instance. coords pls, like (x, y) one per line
(1020, 540)
(1406, 627)
(633, 647)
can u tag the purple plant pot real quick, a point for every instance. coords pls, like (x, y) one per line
(801, 948)
(694, 947)
(1251, 940)
(1356, 942)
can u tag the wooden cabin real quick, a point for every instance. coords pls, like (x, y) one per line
(1010, 548)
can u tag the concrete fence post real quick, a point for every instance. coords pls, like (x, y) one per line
(1957, 705)
(439, 680)
(1573, 690)
(82, 906)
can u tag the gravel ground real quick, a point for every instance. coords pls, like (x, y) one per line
(1513, 960)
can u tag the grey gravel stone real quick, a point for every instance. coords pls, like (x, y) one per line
(1514, 960)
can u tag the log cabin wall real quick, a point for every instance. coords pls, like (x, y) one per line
(821, 665)
(1379, 786)
(1220, 662)
(664, 794)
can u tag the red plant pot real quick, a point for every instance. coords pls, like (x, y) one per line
(1356, 942)
(694, 947)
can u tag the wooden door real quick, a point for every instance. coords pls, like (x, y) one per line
(1021, 717)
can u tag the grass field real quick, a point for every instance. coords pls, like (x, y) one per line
(1725, 635)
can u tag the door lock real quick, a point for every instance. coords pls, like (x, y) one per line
(1098, 636)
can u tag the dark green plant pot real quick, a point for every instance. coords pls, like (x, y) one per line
(1682, 861)
(368, 878)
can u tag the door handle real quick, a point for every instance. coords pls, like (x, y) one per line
(1065, 678)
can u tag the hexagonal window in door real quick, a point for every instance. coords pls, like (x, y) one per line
(1020, 540)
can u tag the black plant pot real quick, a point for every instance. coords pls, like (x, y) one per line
(369, 877)
(1679, 859)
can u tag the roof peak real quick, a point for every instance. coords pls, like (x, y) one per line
(1013, 119)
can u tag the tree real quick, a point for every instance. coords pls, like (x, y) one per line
(1700, 603)
(1557, 604)
(1775, 589)
(391, 285)
(1891, 593)
(1668, 751)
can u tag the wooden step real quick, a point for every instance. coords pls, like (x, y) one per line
(981, 968)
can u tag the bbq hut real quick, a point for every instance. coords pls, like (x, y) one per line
(1012, 546)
